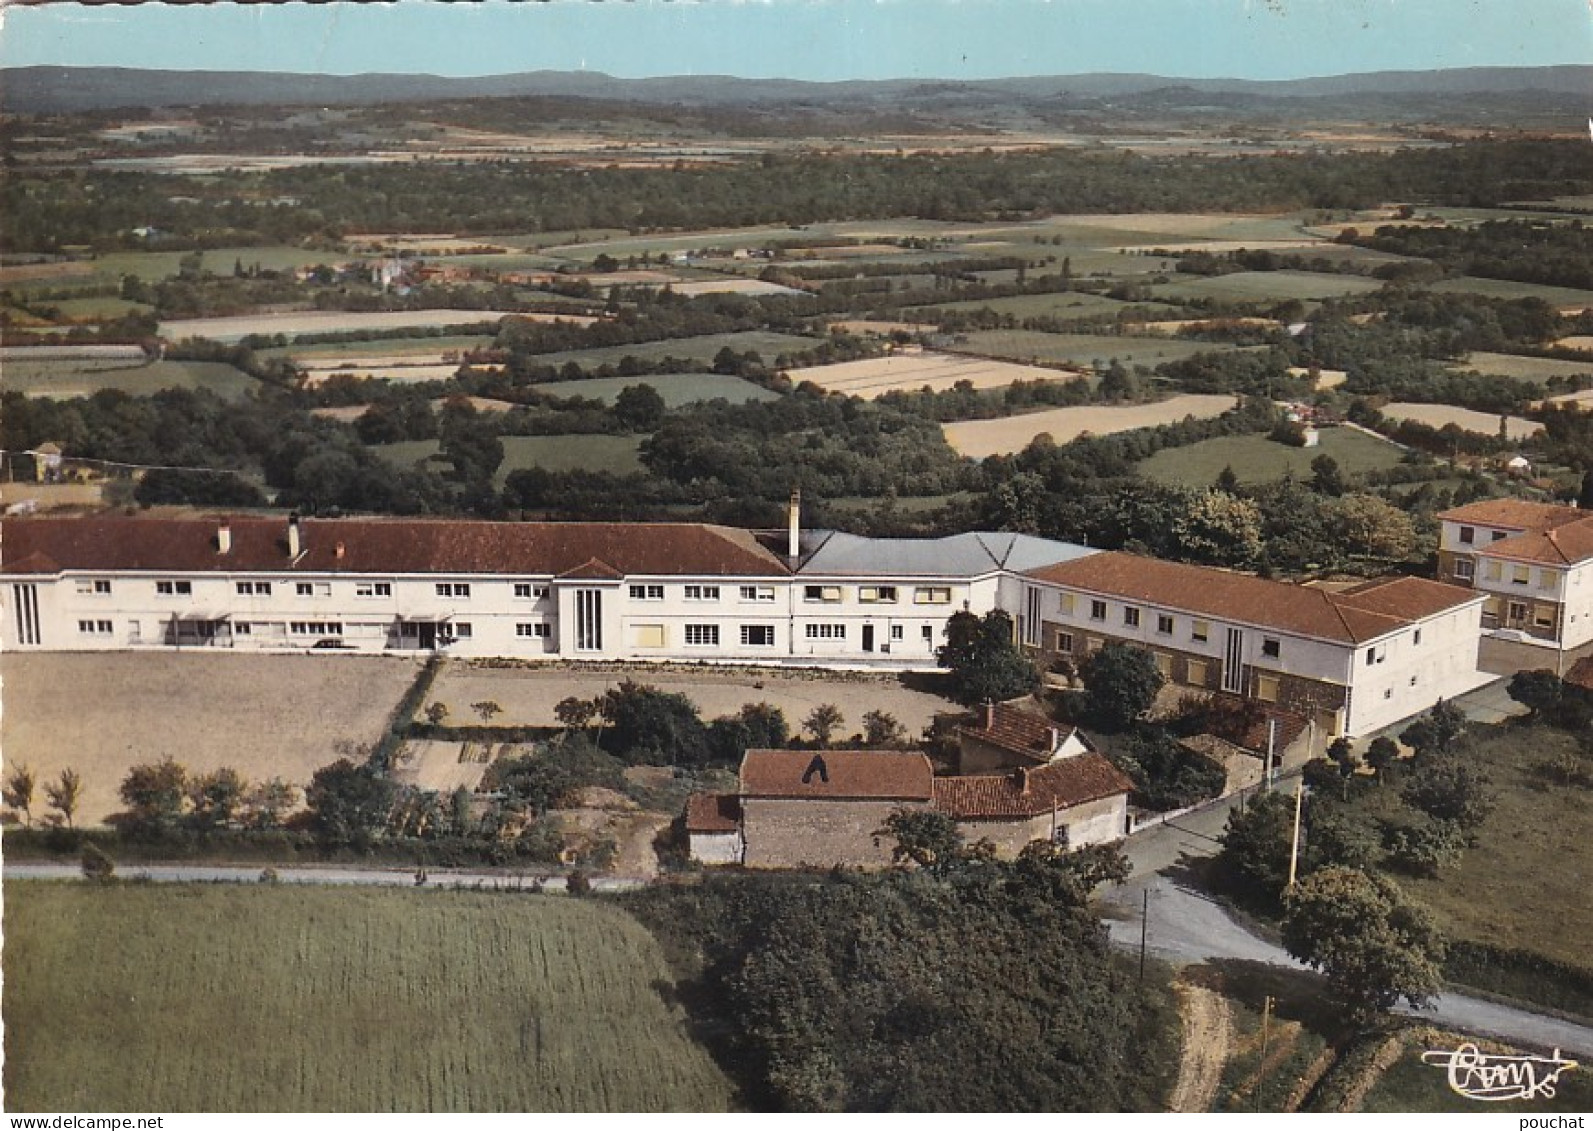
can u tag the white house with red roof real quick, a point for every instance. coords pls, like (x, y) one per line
(1532, 561)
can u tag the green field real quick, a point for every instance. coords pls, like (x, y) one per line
(99, 307)
(1504, 288)
(1081, 349)
(1069, 304)
(154, 265)
(379, 347)
(1538, 369)
(1256, 459)
(701, 349)
(264, 998)
(1267, 286)
(555, 453)
(1526, 884)
(676, 388)
(63, 379)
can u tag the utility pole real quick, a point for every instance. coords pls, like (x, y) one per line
(1266, 1018)
(1294, 846)
(1144, 925)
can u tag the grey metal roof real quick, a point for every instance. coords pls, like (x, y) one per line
(830, 553)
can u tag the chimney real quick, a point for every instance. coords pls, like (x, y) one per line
(224, 539)
(794, 525)
(293, 535)
(1020, 778)
(990, 714)
(1056, 739)
(338, 552)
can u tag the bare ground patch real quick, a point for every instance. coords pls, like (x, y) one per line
(980, 438)
(265, 716)
(1208, 1030)
(528, 695)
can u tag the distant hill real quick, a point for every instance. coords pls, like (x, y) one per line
(35, 90)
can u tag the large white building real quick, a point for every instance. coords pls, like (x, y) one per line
(1351, 661)
(586, 591)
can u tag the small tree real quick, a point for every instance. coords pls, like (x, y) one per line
(1373, 946)
(1257, 841)
(882, 729)
(984, 661)
(1450, 790)
(154, 794)
(215, 799)
(1538, 690)
(267, 802)
(64, 793)
(349, 803)
(575, 713)
(1382, 754)
(437, 714)
(488, 709)
(1343, 756)
(1121, 683)
(18, 791)
(923, 838)
(822, 723)
(1436, 731)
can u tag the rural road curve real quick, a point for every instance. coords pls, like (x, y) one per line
(1186, 926)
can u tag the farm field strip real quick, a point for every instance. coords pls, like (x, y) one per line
(1268, 286)
(1562, 297)
(676, 388)
(1082, 349)
(289, 998)
(871, 377)
(1438, 415)
(343, 321)
(977, 439)
(700, 349)
(618, 454)
(1525, 368)
(66, 379)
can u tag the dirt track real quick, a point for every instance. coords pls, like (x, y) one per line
(1208, 1030)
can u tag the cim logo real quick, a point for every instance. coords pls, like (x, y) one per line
(1492, 1079)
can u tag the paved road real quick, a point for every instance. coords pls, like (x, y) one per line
(367, 877)
(1186, 926)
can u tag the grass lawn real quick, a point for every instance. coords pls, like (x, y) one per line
(556, 453)
(1082, 349)
(1256, 459)
(1526, 884)
(266, 998)
(1504, 288)
(384, 347)
(701, 349)
(63, 379)
(676, 388)
(155, 265)
(1069, 304)
(1266, 286)
(1538, 369)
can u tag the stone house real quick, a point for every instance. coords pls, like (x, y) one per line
(1006, 738)
(807, 808)
(1079, 800)
(713, 828)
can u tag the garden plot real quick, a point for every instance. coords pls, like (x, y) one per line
(733, 287)
(908, 371)
(1438, 415)
(980, 438)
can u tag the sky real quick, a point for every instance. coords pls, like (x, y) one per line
(818, 40)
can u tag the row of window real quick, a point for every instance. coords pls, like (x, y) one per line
(1466, 570)
(761, 594)
(523, 590)
(1468, 535)
(1167, 625)
(877, 594)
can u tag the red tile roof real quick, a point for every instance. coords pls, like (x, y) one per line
(900, 775)
(1564, 544)
(1023, 733)
(1517, 514)
(1351, 618)
(1581, 673)
(1029, 793)
(1406, 598)
(383, 546)
(713, 813)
